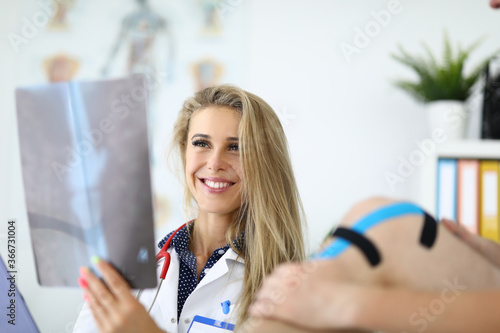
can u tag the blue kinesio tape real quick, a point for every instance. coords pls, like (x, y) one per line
(369, 221)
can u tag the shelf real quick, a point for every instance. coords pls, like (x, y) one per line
(475, 149)
(462, 149)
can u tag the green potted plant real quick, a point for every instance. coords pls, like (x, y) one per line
(442, 86)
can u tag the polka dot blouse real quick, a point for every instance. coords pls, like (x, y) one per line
(188, 277)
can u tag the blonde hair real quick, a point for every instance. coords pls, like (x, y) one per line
(271, 214)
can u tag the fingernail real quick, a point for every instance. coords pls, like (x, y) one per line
(95, 260)
(85, 297)
(82, 283)
(84, 272)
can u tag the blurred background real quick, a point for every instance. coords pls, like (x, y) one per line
(325, 66)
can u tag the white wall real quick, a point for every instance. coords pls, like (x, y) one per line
(346, 124)
(349, 124)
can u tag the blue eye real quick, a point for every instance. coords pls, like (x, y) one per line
(234, 147)
(200, 143)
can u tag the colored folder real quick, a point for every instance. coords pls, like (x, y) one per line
(447, 189)
(468, 194)
(488, 196)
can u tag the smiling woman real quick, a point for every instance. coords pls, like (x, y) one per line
(239, 178)
(213, 171)
(270, 211)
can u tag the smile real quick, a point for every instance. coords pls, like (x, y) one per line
(212, 184)
(216, 185)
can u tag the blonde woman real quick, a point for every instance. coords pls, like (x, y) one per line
(238, 173)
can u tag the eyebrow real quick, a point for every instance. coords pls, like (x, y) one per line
(205, 136)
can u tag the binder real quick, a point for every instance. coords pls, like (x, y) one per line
(447, 188)
(21, 321)
(488, 197)
(468, 194)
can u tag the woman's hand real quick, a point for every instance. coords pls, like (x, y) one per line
(488, 248)
(305, 295)
(112, 304)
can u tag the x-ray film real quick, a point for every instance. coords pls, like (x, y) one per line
(85, 165)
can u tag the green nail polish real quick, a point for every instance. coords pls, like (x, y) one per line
(95, 259)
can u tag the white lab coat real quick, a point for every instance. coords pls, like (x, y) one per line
(224, 281)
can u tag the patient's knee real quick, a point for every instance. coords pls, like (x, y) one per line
(364, 207)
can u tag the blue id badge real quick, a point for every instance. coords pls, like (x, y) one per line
(206, 325)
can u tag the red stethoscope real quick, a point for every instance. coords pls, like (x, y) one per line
(166, 263)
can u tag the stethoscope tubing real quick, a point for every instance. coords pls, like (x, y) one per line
(163, 253)
(166, 264)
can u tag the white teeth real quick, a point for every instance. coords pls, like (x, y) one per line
(212, 184)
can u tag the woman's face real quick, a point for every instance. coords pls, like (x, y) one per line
(213, 160)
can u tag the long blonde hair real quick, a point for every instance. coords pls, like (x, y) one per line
(271, 214)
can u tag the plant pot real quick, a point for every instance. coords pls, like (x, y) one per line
(450, 116)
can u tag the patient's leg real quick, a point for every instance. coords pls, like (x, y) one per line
(405, 261)
(271, 326)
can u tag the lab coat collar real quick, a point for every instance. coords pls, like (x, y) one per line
(231, 255)
(229, 261)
